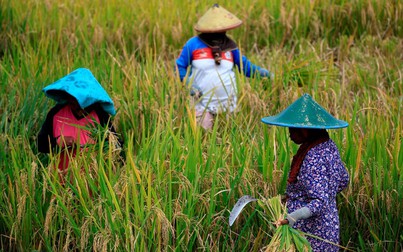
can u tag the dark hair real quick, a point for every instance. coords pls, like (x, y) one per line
(317, 133)
(60, 93)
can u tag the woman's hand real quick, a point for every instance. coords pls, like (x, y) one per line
(281, 222)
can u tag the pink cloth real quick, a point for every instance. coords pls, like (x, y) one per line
(65, 124)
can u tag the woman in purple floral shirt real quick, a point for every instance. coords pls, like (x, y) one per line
(317, 173)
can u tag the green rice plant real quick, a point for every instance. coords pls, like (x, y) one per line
(285, 238)
(175, 183)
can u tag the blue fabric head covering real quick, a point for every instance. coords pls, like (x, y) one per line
(83, 86)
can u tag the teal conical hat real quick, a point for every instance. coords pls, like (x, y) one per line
(305, 113)
(82, 85)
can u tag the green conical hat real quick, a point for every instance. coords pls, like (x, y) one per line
(217, 19)
(305, 113)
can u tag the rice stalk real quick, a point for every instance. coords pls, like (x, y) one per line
(285, 238)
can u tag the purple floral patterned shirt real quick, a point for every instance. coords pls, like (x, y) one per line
(321, 177)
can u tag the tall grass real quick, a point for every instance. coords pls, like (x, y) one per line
(176, 185)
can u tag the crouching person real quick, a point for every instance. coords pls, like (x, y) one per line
(71, 126)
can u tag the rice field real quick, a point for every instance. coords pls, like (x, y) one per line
(175, 185)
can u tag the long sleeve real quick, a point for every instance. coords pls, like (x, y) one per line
(183, 61)
(299, 214)
(343, 179)
(246, 67)
(316, 180)
(323, 176)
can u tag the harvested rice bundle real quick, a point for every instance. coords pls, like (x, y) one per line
(285, 238)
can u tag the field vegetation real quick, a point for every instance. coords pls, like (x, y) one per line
(176, 184)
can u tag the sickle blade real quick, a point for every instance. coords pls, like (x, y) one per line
(240, 204)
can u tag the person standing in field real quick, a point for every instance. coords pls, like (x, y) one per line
(317, 172)
(82, 108)
(211, 57)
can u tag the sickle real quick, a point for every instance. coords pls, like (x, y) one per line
(240, 204)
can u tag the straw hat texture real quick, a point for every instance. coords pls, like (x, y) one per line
(217, 19)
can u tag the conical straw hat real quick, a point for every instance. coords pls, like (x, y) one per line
(305, 113)
(217, 19)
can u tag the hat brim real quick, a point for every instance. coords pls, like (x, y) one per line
(216, 29)
(273, 120)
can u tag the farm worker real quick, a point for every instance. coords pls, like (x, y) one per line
(317, 172)
(82, 106)
(212, 56)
